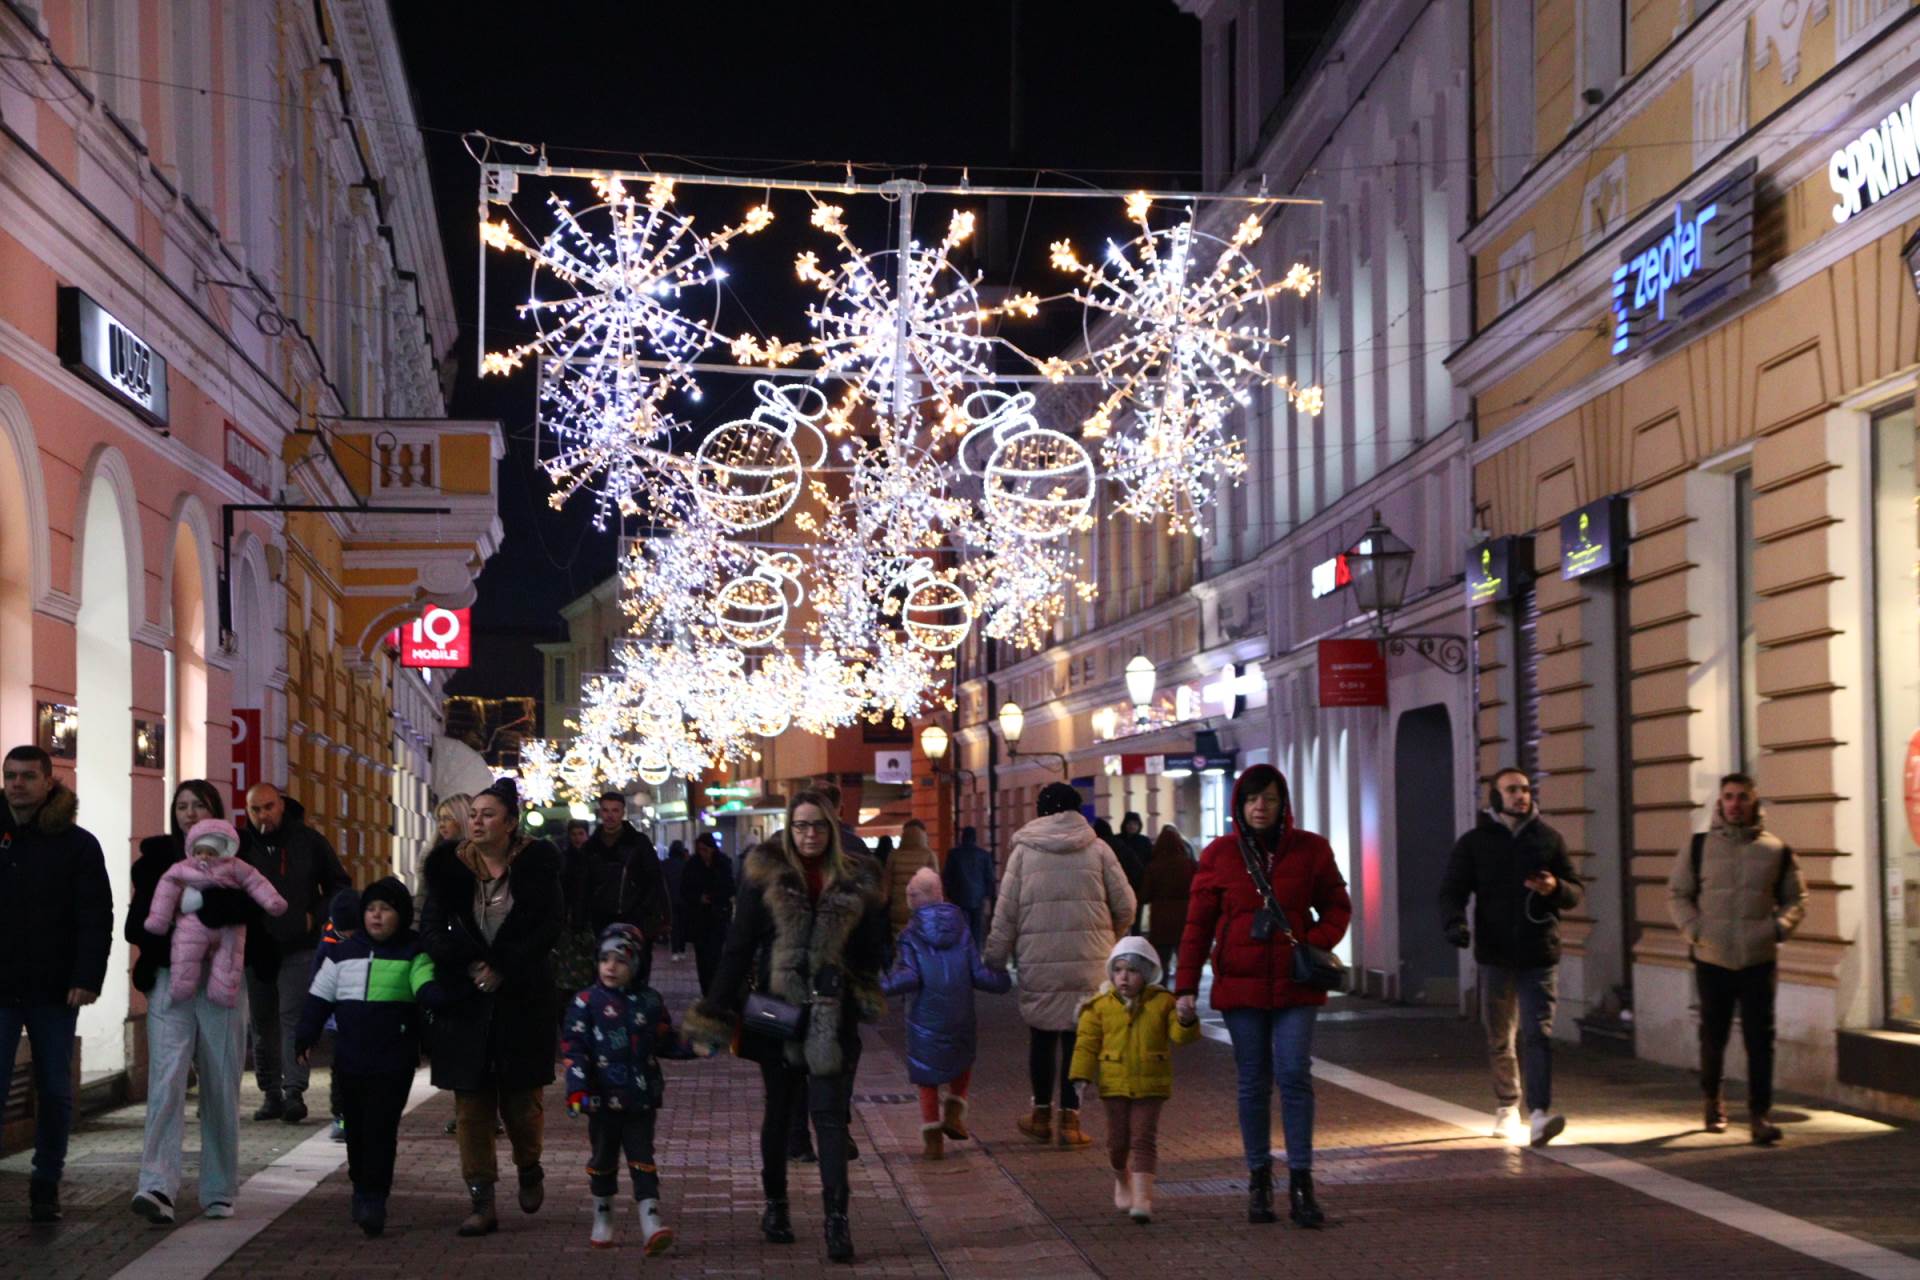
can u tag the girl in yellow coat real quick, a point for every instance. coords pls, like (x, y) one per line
(1125, 1044)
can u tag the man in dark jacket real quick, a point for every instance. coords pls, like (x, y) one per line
(673, 869)
(625, 884)
(1515, 868)
(969, 883)
(303, 869)
(706, 908)
(1136, 851)
(56, 930)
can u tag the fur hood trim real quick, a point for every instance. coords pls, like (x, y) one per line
(58, 815)
(809, 936)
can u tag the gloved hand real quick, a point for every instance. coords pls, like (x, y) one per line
(190, 900)
(1458, 934)
(576, 1104)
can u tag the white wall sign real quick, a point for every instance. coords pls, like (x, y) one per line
(95, 345)
(893, 767)
(1877, 163)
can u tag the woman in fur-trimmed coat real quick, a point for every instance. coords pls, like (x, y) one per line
(809, 928)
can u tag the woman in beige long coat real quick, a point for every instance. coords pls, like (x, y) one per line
(1063, 902)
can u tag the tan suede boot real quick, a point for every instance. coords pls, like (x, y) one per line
(1039, 1125)
(933, 1144)
(953, 1118)
(1067, 1133)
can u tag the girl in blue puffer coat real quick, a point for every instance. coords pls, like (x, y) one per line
(940, 963)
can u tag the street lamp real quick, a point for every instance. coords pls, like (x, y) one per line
(1142, 678)
(1013, 723)
(933, 742)
(1380, 565)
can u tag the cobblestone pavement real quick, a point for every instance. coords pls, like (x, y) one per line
(1411, 1193)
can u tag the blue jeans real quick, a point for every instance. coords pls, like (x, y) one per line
(49, 1029)
(1519, 1001)
(1269, 1046)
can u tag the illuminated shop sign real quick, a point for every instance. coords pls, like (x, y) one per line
(1877, 163)
(1593, 538)
(106, 353)
(1699, 257)
(1493, 566)
(1328, 577)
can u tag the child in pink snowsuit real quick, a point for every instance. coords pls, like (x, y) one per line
(212, 862)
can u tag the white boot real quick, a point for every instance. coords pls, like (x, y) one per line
(1142, 1210)
(602, 1237)
(658, 1238)
(1545, 1127)
(1122, 1191)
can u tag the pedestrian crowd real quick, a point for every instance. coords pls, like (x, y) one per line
(522, 959)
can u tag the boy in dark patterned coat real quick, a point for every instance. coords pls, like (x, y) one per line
(615, 1036)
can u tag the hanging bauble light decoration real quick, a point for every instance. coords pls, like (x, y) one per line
(1037, 482)
(934, 611)
(748, 472)
(752, 611)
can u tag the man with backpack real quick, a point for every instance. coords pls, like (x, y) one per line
(1735, 895)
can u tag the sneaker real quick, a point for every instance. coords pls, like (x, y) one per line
(218, 1209)
(272, 1107)
(294, 1109)
(154, 1207)
(43, 1200)
(339, 1133)
(1504, 1120)
(1545, 1127)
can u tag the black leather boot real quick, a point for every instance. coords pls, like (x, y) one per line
(1260, 1195)
(1303, 1208)
(839, 1230)
(776, 1224)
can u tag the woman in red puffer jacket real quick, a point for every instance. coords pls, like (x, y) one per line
(1269, 1018)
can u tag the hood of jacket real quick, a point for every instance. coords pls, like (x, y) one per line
(1134, 945)
(914, 840)
(1057, 833)
(1257, 778)
(56, 814)
(941, 923)
(469, 854)
(1745, 834)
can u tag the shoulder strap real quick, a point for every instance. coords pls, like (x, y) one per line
(1699, 848)
(1263, 885)
(1780, 876)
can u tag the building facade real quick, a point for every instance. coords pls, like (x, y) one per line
(222, 294)
(1375, 128)
(1691, 307)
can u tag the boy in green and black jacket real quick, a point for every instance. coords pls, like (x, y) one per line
(374, 985)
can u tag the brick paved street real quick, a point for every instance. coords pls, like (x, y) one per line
(1412, 1195)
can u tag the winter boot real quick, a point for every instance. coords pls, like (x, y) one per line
(43, 1200)
(953, 1118)
(776, 1223)
(1142, 1210)
(1765, 1132)
(602, 1235)
(1067, 1133)
(1122, 1191)
(933, 1141)
(1260, 1195)
(293, 1108)
(533, 1188)
(658, 1236)
(839, 1230)
(1716, 1112)
(272, 1107)
(1304, 1209)
(482, 1221)
(1039, 1125)
(373, 1218)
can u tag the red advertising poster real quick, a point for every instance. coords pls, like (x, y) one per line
(1353, 673)
(247, 757)
(437, 638)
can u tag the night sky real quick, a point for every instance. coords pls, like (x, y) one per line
(1103, 92)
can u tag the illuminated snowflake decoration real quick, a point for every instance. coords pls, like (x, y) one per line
(1171, 464)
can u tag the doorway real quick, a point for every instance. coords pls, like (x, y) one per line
(1423, 790)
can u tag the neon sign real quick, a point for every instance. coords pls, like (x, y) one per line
(1328, 577)
(1878, 163)
(1701, 257)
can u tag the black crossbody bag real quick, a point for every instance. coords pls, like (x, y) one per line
(1314, 967)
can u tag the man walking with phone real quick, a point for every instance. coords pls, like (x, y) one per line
(1735, 895)
(1515, 868)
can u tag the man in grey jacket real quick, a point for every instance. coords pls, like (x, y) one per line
(1735, 894)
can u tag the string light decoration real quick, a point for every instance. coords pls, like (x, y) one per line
(817, 563)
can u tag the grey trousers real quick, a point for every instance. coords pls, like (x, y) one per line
(276, 1016)
(195, 1033)
(1519, 1003)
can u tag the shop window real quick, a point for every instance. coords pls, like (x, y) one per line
(1747, 647)
(1602, 58)
(1896, 540)
(1215, 790)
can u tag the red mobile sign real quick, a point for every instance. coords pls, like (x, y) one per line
(437, 638)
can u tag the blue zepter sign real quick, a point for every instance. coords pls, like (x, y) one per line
(1697, 257)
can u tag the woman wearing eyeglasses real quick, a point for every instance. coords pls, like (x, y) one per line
(810, 930)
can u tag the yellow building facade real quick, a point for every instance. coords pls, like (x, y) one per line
(1690, 295)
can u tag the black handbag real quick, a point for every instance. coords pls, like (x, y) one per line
(1313, 967)
(771, 1016)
